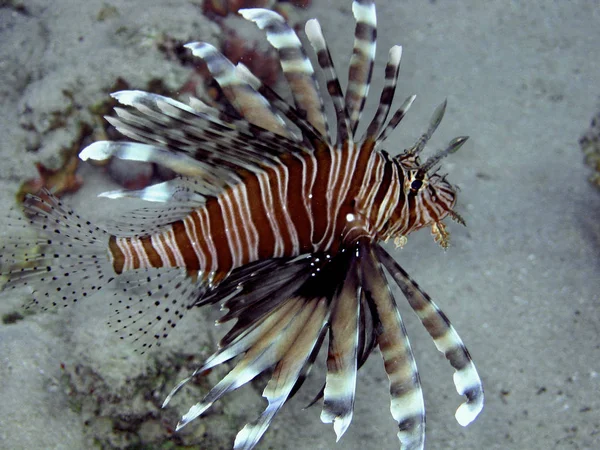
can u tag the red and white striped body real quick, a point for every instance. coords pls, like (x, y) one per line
(308, 204)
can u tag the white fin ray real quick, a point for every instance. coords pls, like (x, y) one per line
(286, 373)
(264, 354)
(179, 163)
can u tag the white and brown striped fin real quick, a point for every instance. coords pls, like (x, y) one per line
(177, 127)
(250, 104)
(362, 60)
(395, 120)
(64, 263)
(407, 404)
(445, 337)
(392, 69)
(317, 40)
(296, 66)
(344, 333)
(434, 122)
(310, 135)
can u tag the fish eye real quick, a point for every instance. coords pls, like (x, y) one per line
(415, 185)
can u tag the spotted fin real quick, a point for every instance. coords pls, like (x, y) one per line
(66, 261)
(445, 337)
(148, 304)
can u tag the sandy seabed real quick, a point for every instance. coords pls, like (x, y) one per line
(521, 283)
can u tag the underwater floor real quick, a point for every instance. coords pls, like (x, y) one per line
(521, 283)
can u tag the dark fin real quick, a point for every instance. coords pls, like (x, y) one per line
(286, 338)
(296, 66)
(148, 303)
(361, 63)
(445, 337)
(407, 404)
(64, 260)
(317, 40)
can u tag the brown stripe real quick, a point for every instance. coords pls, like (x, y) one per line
(295, 203)
(319, 192)
(151, 253)
(365, 32)
(169, 253)
(258, 215)
(201, 243)
(117, 255)
(185, 246)
(219, 237)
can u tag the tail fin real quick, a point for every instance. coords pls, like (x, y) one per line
(67, 259)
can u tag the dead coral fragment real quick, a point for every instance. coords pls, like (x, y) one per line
(590, 145)
(224, 7)
(58, 181)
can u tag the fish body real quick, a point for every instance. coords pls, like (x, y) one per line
(277, 218)
(278, 214)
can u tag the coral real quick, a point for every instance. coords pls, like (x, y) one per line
(129, 414)
(62, 180)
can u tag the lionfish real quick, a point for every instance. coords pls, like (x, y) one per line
(276, 217)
